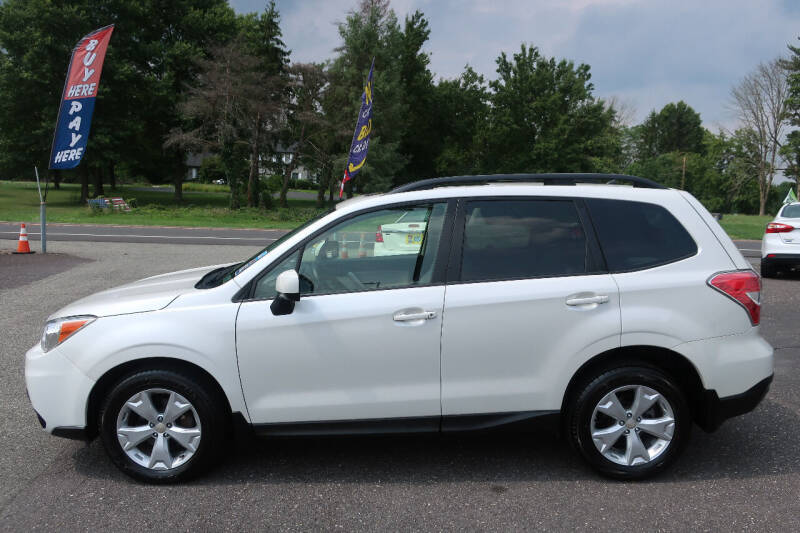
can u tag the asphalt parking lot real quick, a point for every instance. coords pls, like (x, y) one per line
(746, 476)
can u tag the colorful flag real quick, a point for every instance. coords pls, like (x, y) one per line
(77, 99)
(360, 144)
(791, 197)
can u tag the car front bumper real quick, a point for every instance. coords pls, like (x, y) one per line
(58, 392)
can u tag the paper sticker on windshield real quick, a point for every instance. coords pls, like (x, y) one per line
(246, 265)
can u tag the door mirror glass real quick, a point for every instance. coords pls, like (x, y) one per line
(287, 286)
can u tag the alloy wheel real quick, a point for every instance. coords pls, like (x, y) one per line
(632, 425)
(158, 429)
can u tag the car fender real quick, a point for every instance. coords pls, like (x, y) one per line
(203, 336)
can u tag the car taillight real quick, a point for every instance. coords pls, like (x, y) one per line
(777, 227)
(742, 286)
(379, 234)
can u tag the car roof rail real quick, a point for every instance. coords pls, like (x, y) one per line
(545, 179)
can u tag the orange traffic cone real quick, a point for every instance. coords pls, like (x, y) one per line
(23, 247)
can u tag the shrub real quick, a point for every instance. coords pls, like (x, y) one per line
(211, 169)
(305, 184)
(205, 187)
(274, 183)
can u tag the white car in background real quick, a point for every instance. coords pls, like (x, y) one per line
(780, 247)
(403, 236)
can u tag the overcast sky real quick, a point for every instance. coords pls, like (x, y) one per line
(645, 52)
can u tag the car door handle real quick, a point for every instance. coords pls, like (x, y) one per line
(599, 299)
(403, 316)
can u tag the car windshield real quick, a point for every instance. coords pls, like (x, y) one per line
(791, 211)
(221, 275)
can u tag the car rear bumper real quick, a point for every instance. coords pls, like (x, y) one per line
(773, 244)
(782, 259)
(717, 409)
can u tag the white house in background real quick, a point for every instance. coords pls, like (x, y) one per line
(283, 154)
(193, 163)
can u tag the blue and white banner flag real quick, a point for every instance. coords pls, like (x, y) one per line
(360, 144)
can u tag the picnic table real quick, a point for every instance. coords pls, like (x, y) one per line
(109, 203)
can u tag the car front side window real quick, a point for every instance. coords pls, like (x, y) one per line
(384, 249)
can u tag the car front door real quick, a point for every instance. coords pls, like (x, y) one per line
(362, 343)
(530, 302)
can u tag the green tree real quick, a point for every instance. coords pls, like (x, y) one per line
(36, 40)
(263, 39)
(304, 118)
(371, 31)
(790, 151)
(760, 101)
(676, 128)
(219, 113)
(462, 109)
(150, 63)
(420, 139)
(544, 117)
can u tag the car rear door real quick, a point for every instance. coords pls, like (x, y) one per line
(529, 300)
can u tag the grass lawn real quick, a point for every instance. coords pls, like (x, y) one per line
(19, 202)
(745, 226)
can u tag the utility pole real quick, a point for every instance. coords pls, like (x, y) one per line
(683, 175)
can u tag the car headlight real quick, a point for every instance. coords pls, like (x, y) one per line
(58, 330)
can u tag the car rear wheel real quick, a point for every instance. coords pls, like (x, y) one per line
(161, 426)
(629, 422)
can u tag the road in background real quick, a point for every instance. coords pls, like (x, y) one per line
(292, 195)
(184, 235)
(144, 234)
(749, 249)
(744, 476)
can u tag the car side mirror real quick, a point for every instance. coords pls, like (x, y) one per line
(287, 286)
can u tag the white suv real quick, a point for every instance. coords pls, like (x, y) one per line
(627, 311)
(780, 247)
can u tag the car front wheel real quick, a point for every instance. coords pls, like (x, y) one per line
(161, 426)
(630, 422)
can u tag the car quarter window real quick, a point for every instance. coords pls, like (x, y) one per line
(383, 249)
(638, 235)
(512, 239)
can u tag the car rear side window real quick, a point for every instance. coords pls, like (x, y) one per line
(513, 239)
(638, 235)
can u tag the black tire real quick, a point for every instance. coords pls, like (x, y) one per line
(768, 270)
(581, 410)
(203, 397)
